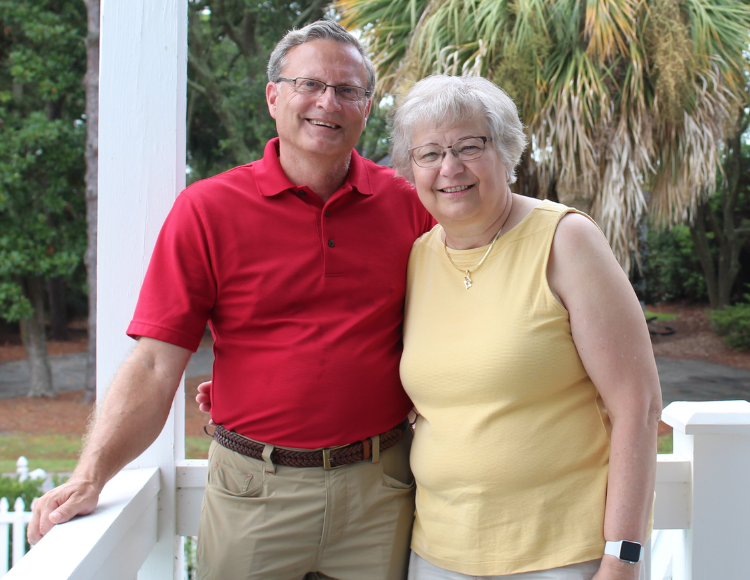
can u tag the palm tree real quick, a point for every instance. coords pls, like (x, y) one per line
(627, 102)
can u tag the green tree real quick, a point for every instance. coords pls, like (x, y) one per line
(626, 101)
(229, 45)
(720, 221)
(42, 211)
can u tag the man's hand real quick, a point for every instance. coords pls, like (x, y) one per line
(75, 497)
(203, 398)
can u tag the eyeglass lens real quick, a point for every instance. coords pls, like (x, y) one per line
(344, 92)
(464, 149)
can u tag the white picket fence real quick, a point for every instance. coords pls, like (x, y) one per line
(12, 530)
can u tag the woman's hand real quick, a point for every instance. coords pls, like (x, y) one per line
(614, 569)
(203, 398)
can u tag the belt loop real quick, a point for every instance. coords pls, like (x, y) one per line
(270, 467)
(375, 449)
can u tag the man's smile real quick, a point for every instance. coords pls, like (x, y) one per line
(323, 124)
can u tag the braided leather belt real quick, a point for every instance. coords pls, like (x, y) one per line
(327, 458)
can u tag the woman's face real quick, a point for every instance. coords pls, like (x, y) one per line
(470, 195)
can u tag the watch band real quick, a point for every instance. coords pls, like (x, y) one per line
(625, 550)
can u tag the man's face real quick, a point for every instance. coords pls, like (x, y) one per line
(319, 125)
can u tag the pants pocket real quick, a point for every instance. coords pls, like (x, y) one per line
(395, 463)
(234, 474)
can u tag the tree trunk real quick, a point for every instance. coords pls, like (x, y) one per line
(702, 249)
(721, 274)
(34, 341)
(91, 84)
(58, 315)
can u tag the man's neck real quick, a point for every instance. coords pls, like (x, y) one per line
(322, 175)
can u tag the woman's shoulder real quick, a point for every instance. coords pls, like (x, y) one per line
(430, 238)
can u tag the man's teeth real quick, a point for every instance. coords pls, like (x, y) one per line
(456, 189)
(322, 124)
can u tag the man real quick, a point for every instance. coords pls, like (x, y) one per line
(297, 261)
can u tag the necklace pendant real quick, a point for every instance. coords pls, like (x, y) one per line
(467, 280)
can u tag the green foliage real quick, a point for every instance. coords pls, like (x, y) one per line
(12, 489)
(229, 45)
(42, 139)
(733, 324)
(671, 267)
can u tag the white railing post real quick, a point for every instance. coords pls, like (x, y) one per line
(4, 536)
(715, 436)
(22, 468)
(19, 531)
(142, 104)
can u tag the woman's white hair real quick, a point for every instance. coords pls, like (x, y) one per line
(446, 101)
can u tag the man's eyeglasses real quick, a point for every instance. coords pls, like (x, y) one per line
(464, 149)
(315, 87)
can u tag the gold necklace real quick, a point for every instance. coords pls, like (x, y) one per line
(467, 279)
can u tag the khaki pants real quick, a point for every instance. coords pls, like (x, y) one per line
(279, 523)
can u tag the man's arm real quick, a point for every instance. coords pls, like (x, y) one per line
(132, 416)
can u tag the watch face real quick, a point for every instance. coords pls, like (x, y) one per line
(630, 551)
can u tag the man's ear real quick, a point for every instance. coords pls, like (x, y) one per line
(272, 94)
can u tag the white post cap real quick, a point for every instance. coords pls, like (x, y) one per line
(715, 417)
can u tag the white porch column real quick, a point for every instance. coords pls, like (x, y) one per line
(715, 436)
(142, 98)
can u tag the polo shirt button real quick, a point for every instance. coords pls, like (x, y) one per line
(303, 193)
(325, 213)
(331, 243)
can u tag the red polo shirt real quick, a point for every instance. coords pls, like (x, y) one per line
(304, 298)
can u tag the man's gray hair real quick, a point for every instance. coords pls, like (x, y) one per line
(320, 30)
(443, 101)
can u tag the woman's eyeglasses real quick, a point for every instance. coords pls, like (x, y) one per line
(464, 149)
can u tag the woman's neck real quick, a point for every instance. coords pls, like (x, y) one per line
(460, 237)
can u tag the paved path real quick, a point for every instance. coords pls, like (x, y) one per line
(681, 380)
(69, 372)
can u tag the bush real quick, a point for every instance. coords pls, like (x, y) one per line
(671, 267)
(733, 323)
(27, 490)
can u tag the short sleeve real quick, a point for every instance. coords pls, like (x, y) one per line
(179, 290)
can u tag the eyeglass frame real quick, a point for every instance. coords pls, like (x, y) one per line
(325, 87)
(484, 139)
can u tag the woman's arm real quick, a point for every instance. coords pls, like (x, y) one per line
(610, 334)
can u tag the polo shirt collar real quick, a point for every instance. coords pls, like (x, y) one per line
(271, 179)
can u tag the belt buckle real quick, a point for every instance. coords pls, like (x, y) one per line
(327, 457)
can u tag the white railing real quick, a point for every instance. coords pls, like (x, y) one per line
(701, 514)
(12, 531)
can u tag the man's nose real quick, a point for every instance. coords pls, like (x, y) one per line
(328, 99)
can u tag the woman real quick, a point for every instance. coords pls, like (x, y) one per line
(527, 357)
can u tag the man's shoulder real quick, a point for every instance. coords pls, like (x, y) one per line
(240, 175)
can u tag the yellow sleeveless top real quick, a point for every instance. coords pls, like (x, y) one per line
(511, 446)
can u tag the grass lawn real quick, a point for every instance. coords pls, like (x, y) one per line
(59, 453)
(664, 443)
(661, 316)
